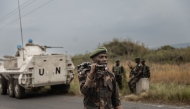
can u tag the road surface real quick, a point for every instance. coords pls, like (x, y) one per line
(50, 101)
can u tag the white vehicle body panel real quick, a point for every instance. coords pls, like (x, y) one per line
(36, 68)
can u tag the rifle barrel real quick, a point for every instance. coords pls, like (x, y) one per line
(52, 47)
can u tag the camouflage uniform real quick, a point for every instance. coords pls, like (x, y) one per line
(100, 93)
(145, 69)
(137, 76)
(118, 71)
(98, 85)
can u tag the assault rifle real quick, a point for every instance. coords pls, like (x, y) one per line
(86, 67)
(132, 72)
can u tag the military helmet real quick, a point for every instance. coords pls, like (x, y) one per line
(30, 40)
(19, 46)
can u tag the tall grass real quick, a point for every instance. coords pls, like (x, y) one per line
(168, 83)
(169, 67)
(168, 73)
(74, 86)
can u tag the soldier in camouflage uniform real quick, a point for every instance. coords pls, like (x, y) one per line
(146, 70)
(98, 85)
(137, 76)
(118, 70)
(19, 47)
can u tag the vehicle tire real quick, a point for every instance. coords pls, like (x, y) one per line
(3, 85)
(64, 88)
(11, 87)
(19, 91)
(54, 88)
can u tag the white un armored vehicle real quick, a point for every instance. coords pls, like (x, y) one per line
(31, 68)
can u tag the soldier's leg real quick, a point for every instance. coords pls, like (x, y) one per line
(116, 78)
(120, 82)
(133, 84)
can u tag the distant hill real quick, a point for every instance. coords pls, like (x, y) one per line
(182, 45)
(129, 50)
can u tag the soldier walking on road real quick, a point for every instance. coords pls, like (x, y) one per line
(98, 84)
(146, 69)
(118, 70)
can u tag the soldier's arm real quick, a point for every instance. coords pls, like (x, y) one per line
(85, 84)
(138, 73)
(115, 96)
(87, 81)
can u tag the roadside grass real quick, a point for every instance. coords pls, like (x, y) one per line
(74, 86)
(163, 93)
(169, 92)
(168, 84)
(169, 67)
(168, 73)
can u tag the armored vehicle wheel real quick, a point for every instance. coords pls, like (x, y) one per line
(64, 88)
(54, 88)
(11, 87)
(19, 91)
(3, 86)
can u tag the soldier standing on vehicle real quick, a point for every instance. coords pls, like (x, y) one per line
(30, 43)
(137, 76)
(17, 53)
(146, 70)
(118, 70)
(98, 85)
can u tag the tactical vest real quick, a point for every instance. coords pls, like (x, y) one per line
(117, 70)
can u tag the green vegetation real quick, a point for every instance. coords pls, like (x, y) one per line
(75, 87)
(169, 70)
(126, 49)
(169, 92)
(163, 93)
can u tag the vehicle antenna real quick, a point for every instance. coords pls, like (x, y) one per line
(21, 27)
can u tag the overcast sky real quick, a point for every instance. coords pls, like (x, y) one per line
(80, 25)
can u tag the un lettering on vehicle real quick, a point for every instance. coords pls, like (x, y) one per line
(57, 71)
